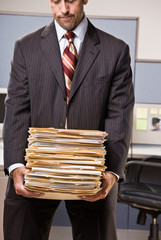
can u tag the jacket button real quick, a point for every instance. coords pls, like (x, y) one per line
(61, 124)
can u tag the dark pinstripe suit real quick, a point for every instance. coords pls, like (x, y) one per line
(101, 98)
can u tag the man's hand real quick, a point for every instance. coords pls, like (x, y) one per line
(18, 178)
(107, 183)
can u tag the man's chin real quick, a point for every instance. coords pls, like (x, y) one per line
(66, 24)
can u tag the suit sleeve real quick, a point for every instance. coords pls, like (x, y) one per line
(17, 112)
(118, 122)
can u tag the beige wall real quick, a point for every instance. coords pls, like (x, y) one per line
(148, 12)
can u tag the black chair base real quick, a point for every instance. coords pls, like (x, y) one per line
(143, 192)
(154, 232)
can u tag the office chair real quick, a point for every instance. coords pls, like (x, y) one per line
(143, 191)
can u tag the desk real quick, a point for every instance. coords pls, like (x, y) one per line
(135, 151)
(3, 183)
(1, 154)
(142, 151)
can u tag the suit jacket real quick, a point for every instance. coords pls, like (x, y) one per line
(101, 95)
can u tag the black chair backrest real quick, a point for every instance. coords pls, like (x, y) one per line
(143, 174)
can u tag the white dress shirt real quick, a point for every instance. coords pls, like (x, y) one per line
(79, 32)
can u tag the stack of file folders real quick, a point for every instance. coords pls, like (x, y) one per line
(65, 163)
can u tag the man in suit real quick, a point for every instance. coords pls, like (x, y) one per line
(101, 98)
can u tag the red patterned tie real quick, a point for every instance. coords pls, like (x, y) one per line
(69, 61)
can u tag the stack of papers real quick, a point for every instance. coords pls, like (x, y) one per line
(65, 163)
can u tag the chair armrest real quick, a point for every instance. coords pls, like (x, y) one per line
(142, 163)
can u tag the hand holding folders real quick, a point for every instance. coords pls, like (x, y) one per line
(65, 163)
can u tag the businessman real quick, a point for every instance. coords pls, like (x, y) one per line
(67, 74)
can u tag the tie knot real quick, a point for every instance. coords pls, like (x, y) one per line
(70, 36)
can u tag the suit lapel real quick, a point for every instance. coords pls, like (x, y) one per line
(87, 56)
(51, 50)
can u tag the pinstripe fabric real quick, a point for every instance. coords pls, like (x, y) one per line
(30, 219)
(101, 96)
(35, 217)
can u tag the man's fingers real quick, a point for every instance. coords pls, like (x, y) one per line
(108, 181)
(20, 190)
(91, 198)
(18, 178)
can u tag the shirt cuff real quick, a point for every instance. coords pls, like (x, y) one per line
(115, 175)
(13, 167)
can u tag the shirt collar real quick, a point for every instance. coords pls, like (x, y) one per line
(79, 31)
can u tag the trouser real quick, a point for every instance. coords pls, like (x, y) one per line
(31, 219)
